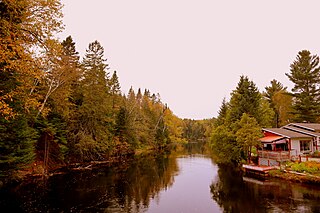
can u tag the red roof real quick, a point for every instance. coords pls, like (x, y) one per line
(269, 139)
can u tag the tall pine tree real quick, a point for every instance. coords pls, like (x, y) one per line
(245, 99)
(305, 74)
(93, 123)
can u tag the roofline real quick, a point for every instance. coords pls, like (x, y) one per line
(280, 138)
(303, 127)
(301, 131)
(286, 136)
(275, 133)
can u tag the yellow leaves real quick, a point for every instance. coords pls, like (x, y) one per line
(174, 125)
(43, 18)
(5, 110)
(28, 49)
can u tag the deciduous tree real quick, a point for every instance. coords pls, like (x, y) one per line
(269, 94)
(248, 134)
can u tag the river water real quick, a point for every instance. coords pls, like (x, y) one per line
(187, 180)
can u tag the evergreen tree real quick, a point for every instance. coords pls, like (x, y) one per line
(305, 74)
(139, 98)
(222, 114)
(17, 140)
(121, 130)
(246, 102)
(72, 67)
(244, 99)
(115, 90)
(275, 87)
(93, 123)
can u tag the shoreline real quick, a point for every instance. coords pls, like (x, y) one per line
(295, 176)
(35, 171)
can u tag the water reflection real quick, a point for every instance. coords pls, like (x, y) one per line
(117, 189)
(190, 192)
(185, 181)
(236, 194)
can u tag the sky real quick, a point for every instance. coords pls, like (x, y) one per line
(193, 52)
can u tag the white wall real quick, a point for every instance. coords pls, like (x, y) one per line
(295, 144)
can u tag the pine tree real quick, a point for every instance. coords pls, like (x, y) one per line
(115, 90)
(244, 99)
(93, 123)
(246, 102)
(222, 114)
(139, 97)
(305, 74)
(114, 84)
(121, 129)
(275, 87)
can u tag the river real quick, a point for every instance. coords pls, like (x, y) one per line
(187, 180)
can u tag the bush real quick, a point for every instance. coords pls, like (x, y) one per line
(316, 154)
(309, 167)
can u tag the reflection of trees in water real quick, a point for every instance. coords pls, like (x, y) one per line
(192, 148)
(144, 180)
(118, 189)
(235, 195)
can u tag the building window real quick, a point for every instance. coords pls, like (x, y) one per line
(305, 145)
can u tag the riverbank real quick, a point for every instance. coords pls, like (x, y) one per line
(36, 170)
(299, 172)
(295, 176)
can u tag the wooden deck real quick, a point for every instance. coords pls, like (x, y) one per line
(257, 170)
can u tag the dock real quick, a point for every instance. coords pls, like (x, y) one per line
(257, 170)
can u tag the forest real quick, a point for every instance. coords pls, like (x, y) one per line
(57, 108)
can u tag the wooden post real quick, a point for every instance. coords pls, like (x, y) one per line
(289, 147)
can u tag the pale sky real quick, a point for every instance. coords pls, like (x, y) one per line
(193, 52)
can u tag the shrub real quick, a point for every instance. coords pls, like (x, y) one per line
(309, 167)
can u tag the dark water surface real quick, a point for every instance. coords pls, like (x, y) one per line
(184, 181)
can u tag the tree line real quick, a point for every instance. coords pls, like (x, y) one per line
(239, 122)
(56, 108)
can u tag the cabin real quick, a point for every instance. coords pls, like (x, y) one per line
(288, 143)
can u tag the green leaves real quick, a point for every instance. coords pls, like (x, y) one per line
(239, 122)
